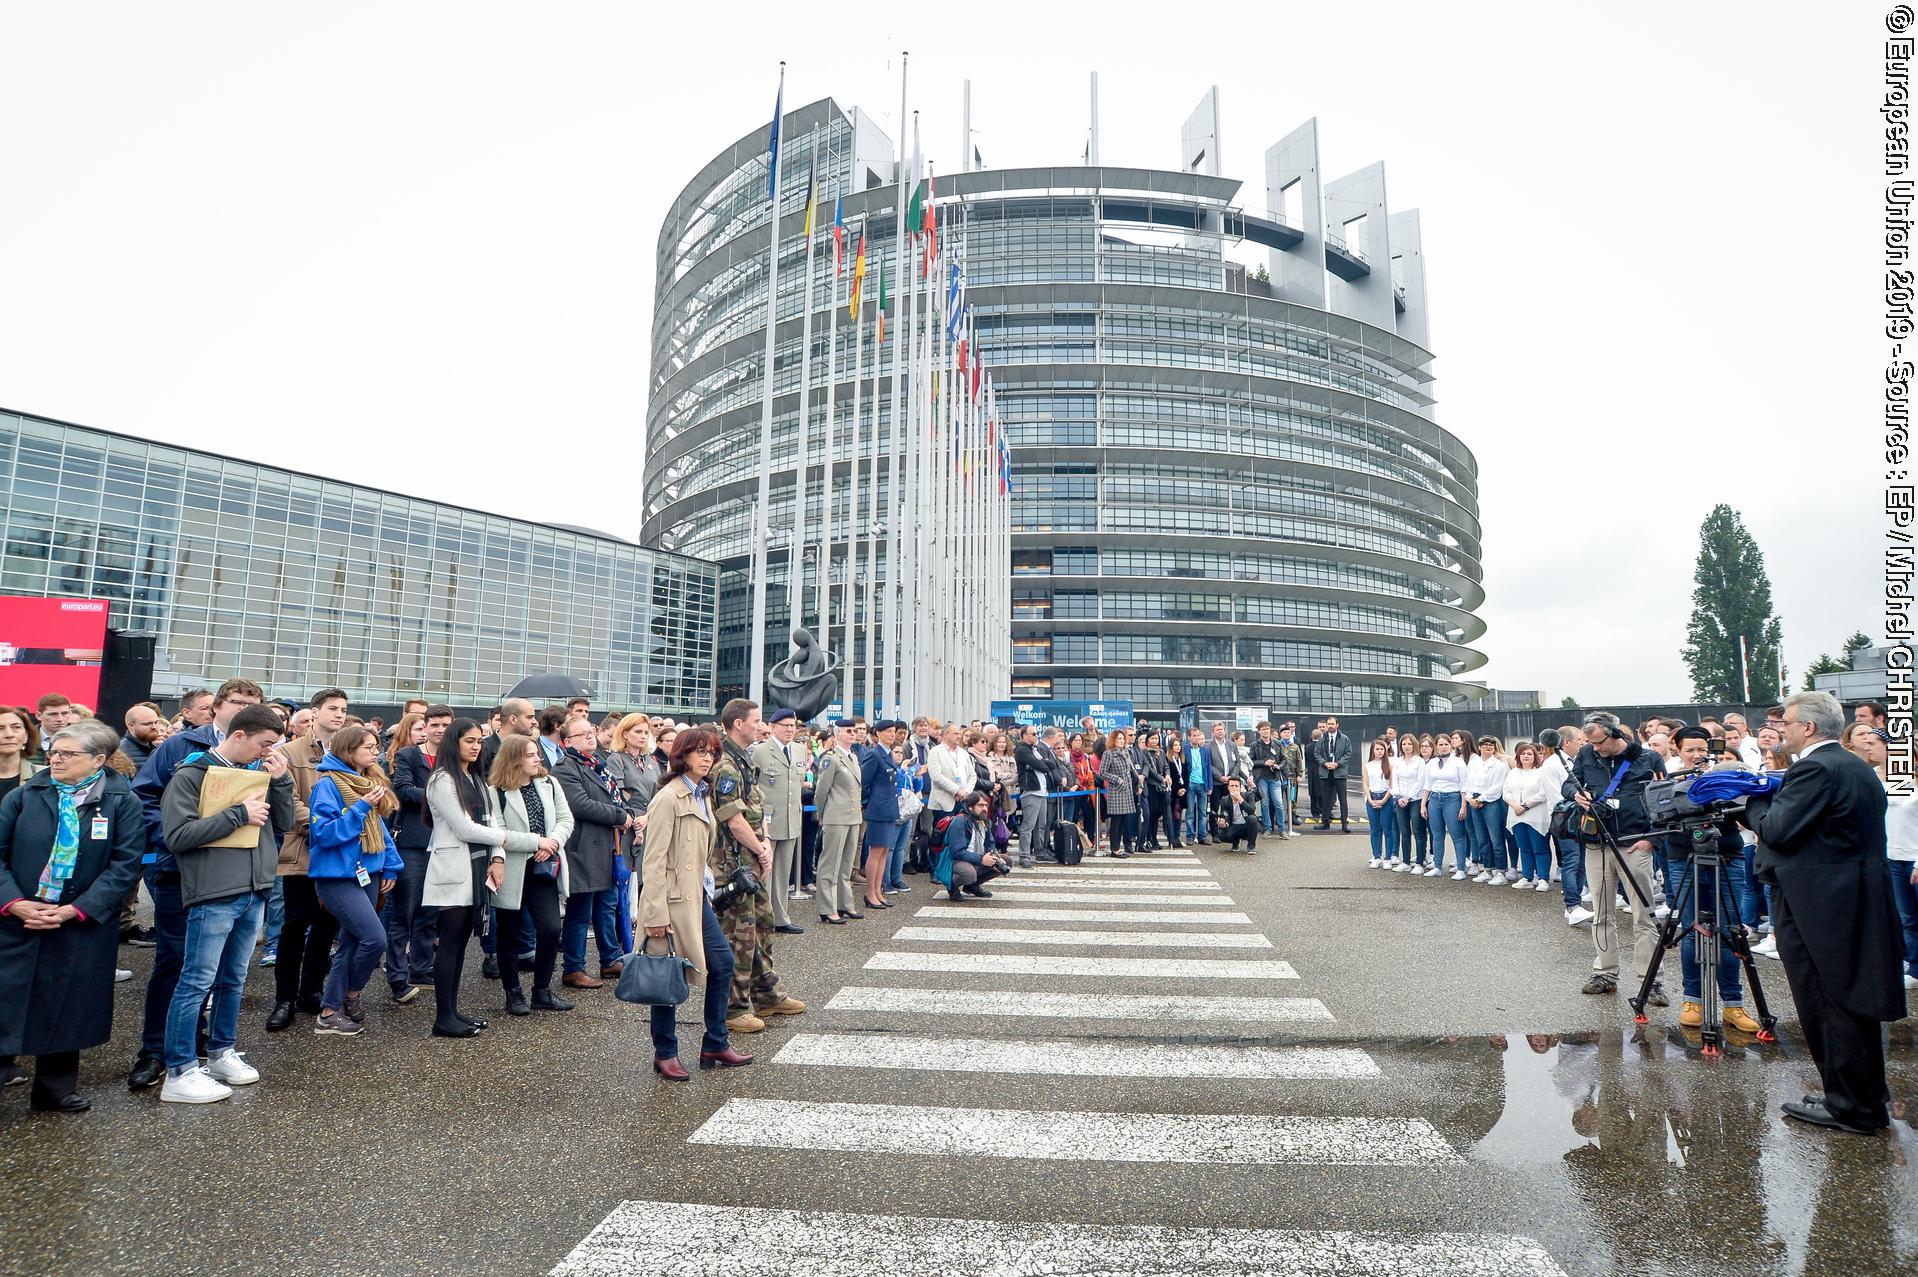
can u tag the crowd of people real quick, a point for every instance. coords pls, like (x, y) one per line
(338, 849)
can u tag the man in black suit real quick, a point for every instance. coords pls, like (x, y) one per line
(1821, 846)
(1332, 758)
(1222, 757)
(411, 927)
(1038, 777)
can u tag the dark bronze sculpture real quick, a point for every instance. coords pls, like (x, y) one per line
(806, 681)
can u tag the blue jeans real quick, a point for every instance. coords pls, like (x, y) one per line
(219, 948)
(602, 909)
(896, 861)
(1383, 824)
(622, 916)
(410, 926)
(1195, 809)
(1411, 831)
(1443, 818)
(1485, 830)
(362, 936)
(1272, 803)
(1730, 992)
(1755, 899)
(1906, 897)
(1534, 854)
(719, 984)
(169, 948)
(275, 917)
(1571, 870)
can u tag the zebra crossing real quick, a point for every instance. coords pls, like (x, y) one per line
(987, 973)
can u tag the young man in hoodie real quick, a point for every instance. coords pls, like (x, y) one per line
(224, 890)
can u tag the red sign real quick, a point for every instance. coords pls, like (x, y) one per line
(51, 645)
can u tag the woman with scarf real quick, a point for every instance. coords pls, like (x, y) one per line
(352, 864)
(528, 888)
(600, 820)
(1122, 787)
(636, 771)
(457, 876)
(71, 838)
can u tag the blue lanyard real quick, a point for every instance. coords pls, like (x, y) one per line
(1624, 765)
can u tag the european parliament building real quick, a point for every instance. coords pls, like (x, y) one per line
(300, 583)
(1228, 481)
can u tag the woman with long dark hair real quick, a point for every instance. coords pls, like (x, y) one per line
(675, 899)
(459, 877)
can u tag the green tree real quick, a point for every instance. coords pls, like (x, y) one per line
(1825, 664)
(1568, 703)
(1859, 641)
(1731, 599)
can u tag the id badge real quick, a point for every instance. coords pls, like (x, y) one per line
(99, 829)
(364, 878)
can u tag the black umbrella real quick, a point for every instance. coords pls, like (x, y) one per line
(557, 687)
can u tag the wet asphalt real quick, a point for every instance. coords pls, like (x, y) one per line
(1619, 1148)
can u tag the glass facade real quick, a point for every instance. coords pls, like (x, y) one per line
(301, 583)
(1217, 494)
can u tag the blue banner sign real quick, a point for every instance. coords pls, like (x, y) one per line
(1070, 715)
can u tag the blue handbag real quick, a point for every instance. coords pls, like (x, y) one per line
(654, 980)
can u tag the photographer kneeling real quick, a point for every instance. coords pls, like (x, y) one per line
(1235, 816)
(1695, 755)
(1608, 783)
(969, 839)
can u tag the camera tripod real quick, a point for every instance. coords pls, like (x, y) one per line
(1711, 935)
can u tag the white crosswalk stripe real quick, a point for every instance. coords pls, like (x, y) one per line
(1074, 1059)
(1062, 897)
(1108, 869)
(1087, 939)
(1096, 883)
(1117, 968)
(926, 1131)
(999, 913)
(1145, 1008)
(685, 1239)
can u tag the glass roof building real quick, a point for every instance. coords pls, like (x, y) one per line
(300, 583)
(1229, 483)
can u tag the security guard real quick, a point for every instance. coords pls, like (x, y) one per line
(782, 782)
(748, 922)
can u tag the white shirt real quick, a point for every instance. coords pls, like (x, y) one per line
(1531, 786)
(1444, 775)
(1489, 781)
(1408, 778)
(1901, 828)
(1557, 770)
(1375, 781)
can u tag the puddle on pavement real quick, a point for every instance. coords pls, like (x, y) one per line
(1658, 1159)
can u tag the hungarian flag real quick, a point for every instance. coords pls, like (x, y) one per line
(859, 277)
(838, 234)
(931, 230)
(962, 356)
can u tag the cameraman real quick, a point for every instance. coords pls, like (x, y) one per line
(1608, 783)
(1695, 758)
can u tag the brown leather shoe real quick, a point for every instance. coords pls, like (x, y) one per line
(744, 1022)
(727, 1059)
(580, 980)
(672, 1070)
(785, 1006)
(611, 972)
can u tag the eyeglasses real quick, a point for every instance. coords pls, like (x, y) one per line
(55, 755)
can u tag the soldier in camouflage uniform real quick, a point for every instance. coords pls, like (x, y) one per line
(748, 923)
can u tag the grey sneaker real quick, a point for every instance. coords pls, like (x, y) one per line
(336, 1023)
(1656, 997)
(1600, 984)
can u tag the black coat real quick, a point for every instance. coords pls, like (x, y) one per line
(1821, 841)
(413, 831)
(597, 820)
(56, 987)
(1629, 821)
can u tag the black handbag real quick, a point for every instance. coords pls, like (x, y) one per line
(654, 980)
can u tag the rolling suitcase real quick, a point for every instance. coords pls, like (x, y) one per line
(1066, 846)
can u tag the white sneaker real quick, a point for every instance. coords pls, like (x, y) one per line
(1768, 947)
(1662, 912)
(1523, 884)
(1375, 864)
(1430, 873)
(121, 975)
(1578, 917)
(1555, 876)
(1400, 867)
(194, 1086)
(1911, 981)
(1480, 876)
(1291, 833)
(229, 1068)
(1458, 875)
(1585, 896)
(1542, 885)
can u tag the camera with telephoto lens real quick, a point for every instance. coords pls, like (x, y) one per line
(739, 884)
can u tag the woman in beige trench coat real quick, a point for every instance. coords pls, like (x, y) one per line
(675, 900)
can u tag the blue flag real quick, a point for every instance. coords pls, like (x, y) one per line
(772, 152)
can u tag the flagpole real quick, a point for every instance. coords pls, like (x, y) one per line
(874, 671)
(756, 636)
(894, 508)
(796, 555)
(823, 606)
(905, 490)
(854, 541)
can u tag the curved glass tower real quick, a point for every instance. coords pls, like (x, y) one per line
(1227, 480)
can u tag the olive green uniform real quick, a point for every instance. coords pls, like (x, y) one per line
(748, 923)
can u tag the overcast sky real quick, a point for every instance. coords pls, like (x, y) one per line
(412, 245)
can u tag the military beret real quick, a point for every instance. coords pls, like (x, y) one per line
(781, 715)
(847, 723)
(1684, 734)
